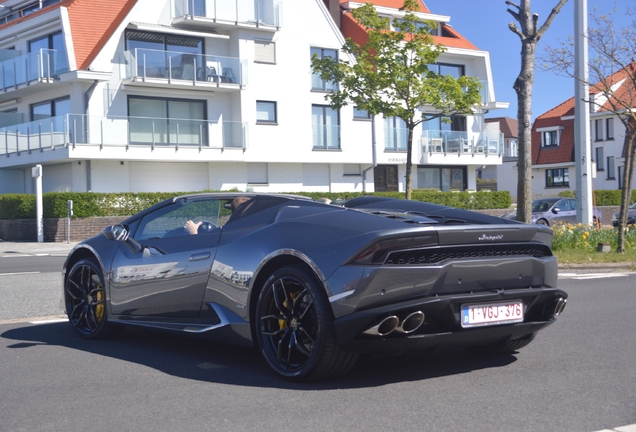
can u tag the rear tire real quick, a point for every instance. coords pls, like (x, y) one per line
(85, 300)
(543, 222)
(294, 327)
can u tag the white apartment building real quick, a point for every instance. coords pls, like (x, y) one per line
(188, 95)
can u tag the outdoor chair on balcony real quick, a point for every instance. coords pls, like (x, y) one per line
(228, 76)
(435, 145)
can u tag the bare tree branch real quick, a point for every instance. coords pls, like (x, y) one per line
(513, 28)
(550, 18)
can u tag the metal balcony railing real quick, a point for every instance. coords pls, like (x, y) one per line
(144, 63)
(41, 65)
(253, 12)
(73, 130)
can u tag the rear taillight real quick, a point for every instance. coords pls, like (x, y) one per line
(377, 252)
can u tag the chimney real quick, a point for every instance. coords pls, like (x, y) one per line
(334, 9)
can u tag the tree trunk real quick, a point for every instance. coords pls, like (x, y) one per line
(626, 193)
(409, 164)
(523, 88)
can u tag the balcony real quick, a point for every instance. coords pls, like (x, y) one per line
(74, 130)
(13, 13)
(18, 75)
(213, 14)
(147, 67)
(443, 147)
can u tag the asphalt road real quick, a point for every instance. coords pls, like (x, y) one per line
(578, 375)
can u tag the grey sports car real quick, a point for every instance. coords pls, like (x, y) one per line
(315, 285)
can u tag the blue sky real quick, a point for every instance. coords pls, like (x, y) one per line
(485, 24)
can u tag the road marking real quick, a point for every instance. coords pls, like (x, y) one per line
(36, 320)
(20, 273)
(584, 276)
(626, 428)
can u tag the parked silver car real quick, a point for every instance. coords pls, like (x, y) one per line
(631, 216)
(548, 211)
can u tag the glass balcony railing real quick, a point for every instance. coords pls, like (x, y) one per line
(44, 64)
(15, 13)
(444, 141)
(77, 129)
(171, 65)
(254, 12)
(485, 92)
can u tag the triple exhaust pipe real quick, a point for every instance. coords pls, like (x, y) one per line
(392, 323)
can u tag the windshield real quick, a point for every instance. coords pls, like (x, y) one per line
(542, 205)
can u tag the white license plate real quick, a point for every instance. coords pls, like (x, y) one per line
(484, 314)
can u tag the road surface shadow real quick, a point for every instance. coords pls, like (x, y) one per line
(203, 360)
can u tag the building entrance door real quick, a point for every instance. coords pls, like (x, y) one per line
(386, 178)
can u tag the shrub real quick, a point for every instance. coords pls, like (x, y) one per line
(90, 204)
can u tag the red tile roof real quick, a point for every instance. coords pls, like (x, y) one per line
(553, 117)
(92, 24)
(507, 125)
(352, 29)
(394, 4)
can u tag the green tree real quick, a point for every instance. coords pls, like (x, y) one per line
(391, 75)
(612, 82)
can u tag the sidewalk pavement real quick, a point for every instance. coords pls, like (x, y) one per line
(34, 248)
(62, 249)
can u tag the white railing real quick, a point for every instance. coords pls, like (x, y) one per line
(173, 65)
(255, 12)
(459, 142)
(78, 130)
(43, 64)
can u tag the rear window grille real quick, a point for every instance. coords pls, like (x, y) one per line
(439, 254)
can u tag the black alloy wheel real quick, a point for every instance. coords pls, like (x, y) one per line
(85, 300)
(294, 328)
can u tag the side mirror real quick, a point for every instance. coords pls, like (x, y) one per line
(121, 233)
(556, 210)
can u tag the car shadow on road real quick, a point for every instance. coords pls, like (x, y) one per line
(202, 360)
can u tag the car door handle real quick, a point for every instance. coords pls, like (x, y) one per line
(200, 256)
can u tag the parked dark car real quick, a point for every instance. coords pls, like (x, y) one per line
(631, 216)
(548, 211)
(315, 285)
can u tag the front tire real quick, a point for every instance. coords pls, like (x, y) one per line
(543, 222)
(294, 328)
(85, 300)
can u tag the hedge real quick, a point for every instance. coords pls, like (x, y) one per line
(89, 204)
(602, 197)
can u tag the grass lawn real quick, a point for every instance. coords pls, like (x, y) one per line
(577, 256)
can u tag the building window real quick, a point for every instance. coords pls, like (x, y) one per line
(167, 121)
(351, 170)
(395, 134)
(610, 168)
(444, 179)
(52, 108)
(598, 130)
(444, 69)
(326, 127)
(161, 55)
(54, 46)
(609, 129)
(264, 51)
(316, 82)
(360, 114)
(266, 112)
(550, 138)
(600, 160)
(257, 173)
(557, 177)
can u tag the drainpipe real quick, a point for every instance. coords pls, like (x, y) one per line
(87, 94)
(373, 156)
